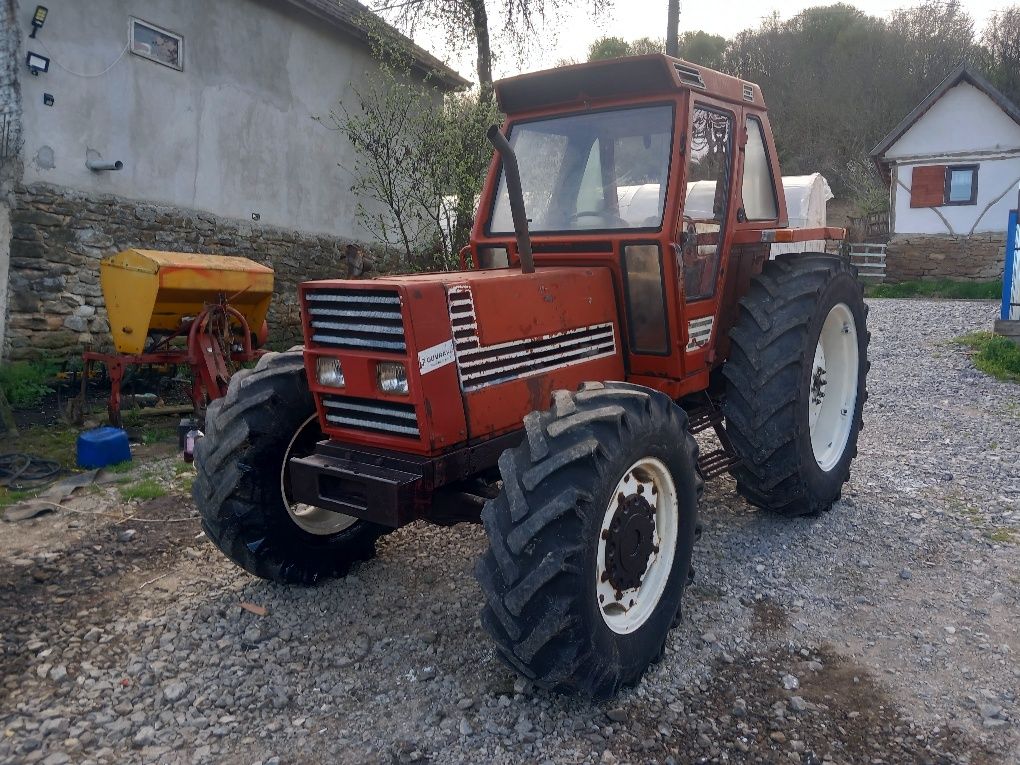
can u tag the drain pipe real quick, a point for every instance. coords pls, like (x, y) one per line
(97, 165)
(512, 174)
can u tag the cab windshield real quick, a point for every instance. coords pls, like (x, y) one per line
(593, 171)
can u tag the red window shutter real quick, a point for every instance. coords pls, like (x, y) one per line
(928, 186)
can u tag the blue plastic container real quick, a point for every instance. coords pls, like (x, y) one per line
(103, 446)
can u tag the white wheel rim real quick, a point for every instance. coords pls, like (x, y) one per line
(832, 387)
(309, 518)
(625, 610)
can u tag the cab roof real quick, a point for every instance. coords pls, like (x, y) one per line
(619, 79)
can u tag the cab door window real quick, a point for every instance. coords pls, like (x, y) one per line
(709, 171)
(757, 188)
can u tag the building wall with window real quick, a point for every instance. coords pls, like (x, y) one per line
(954, 170)
(967, 131)
(211, 108)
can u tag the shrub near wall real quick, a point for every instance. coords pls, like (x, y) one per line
(978, 257)
(59, 237)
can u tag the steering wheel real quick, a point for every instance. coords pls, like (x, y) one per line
(617, 221)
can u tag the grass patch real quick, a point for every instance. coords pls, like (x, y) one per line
(14, 496)
(1002, 536)
(158, 433)
(122, 467)
(26, 383)
(145, 489)
(994, 355)
(55, 442)
(187, 484)
(937, 288)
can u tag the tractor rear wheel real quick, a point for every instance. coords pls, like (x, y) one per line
(242, 487)
(590, 539)
(796, 377)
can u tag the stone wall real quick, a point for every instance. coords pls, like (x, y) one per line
(978, 257)
(59, 237)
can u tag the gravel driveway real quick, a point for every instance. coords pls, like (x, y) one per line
(887, 630)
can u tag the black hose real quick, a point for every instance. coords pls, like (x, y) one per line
(19, 470)
(512, 174)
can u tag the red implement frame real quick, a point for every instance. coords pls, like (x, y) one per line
(206, 353)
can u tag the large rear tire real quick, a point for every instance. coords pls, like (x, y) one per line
(242, 488)
(590, 539)
(796, 382)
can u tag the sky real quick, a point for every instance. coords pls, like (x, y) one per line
(631, 19)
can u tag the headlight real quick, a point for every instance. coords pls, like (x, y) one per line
(392, 377)
(329, 372)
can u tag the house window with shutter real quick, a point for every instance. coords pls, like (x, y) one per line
(941, 185)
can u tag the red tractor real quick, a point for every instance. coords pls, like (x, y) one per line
(620, 299)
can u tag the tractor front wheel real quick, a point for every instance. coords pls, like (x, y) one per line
(590, 539)
(242, 487)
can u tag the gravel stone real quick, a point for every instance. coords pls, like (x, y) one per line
(617, 714)
(145, 736)
(175, 691)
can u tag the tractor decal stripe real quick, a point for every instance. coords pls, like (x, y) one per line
(480, 366)
(699, 332)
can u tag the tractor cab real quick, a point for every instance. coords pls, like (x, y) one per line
(661, 171)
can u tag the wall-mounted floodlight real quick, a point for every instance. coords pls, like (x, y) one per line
(38, 18)
(37, 63)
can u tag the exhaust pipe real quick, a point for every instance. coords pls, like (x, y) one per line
(99, 164)
(512, 173)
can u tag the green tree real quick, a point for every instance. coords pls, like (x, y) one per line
(936, 37)
(700, 47)
(645, 45)
(1001, 39)
(608, 47)
(617, 47)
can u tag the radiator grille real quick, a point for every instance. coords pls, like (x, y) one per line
(371, 415)
(356, 319)
(480, 365)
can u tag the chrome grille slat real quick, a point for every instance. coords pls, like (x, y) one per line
(357, 319)
(354, 313)
(339, 325)
(373, 408)
(352, 296)
(357, 343)
(371, 415)
(350, 422)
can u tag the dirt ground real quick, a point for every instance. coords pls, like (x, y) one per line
(885, 631)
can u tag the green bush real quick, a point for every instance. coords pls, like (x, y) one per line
(26, 383)
(995, 355)
(938, 288)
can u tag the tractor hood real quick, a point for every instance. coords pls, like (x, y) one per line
(476, 348)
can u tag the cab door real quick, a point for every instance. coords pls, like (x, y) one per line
(706, 223)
